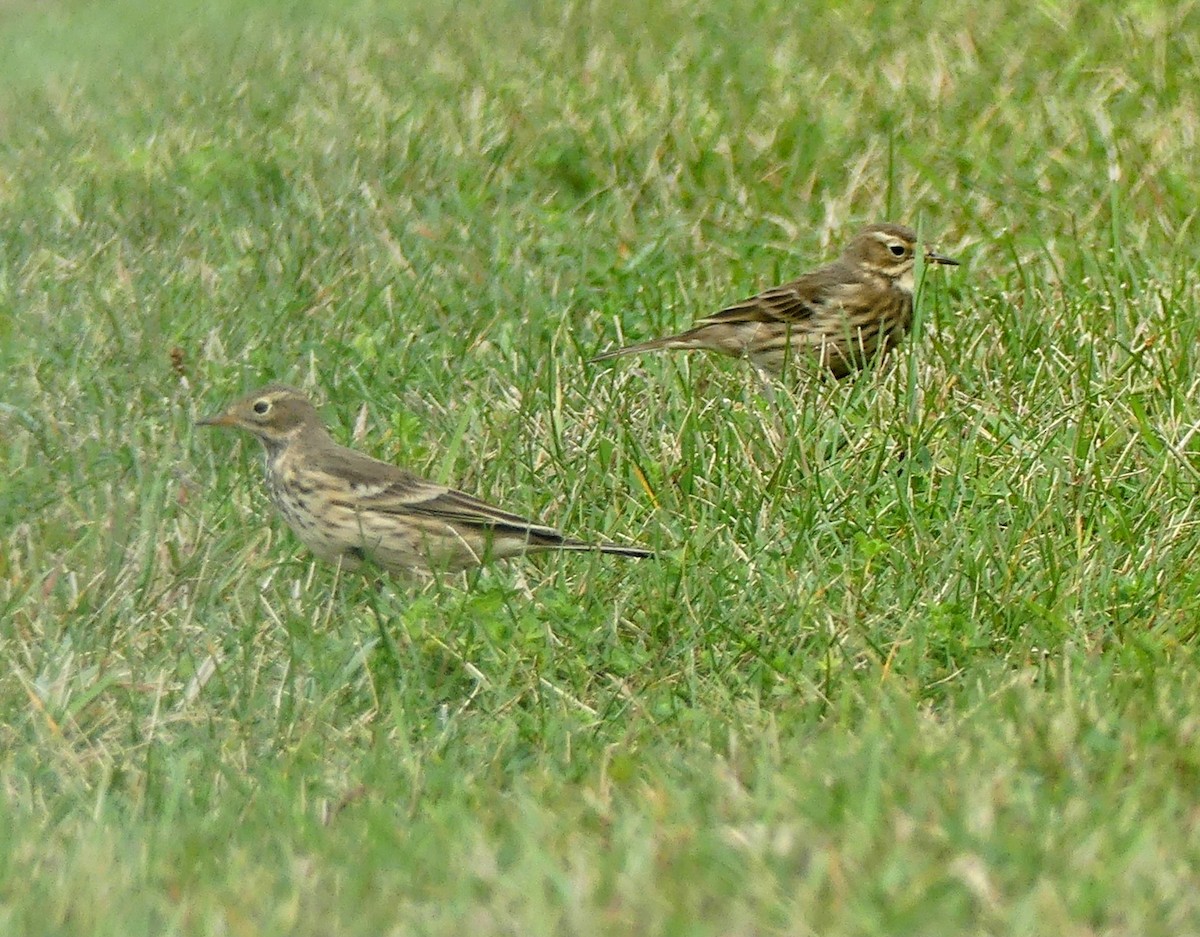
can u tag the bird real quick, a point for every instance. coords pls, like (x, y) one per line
(840, 315)
(350, 508)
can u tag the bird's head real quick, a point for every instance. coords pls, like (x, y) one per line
(276, 414)
(890, 250)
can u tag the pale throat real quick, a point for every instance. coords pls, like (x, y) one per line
(276, 444)
(904, 282)
(275, 447)
(279, 459)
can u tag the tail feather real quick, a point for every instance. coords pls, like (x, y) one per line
(682, 341)
(606, 547)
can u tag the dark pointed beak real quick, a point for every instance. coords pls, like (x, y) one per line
(932, 258)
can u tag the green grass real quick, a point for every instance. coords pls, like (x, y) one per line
(919, 656)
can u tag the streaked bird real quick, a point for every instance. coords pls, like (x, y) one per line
(840, 316)
(348, 507)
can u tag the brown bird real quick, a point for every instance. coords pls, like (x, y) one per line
(841, 315)
(348, 507)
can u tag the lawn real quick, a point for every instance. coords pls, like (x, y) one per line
(918, 654)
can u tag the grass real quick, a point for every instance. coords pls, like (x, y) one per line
(919, 655)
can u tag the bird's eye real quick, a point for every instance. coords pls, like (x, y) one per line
(897, 250)
(262, 406)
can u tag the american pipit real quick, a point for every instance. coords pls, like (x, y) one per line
(840, 315)
(349, 507)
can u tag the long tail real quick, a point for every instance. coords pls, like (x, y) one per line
(671, 342)
(619, 549)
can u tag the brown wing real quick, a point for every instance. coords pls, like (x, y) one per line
(801, 300)
(373, 485)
